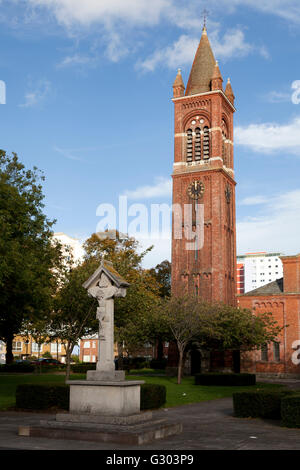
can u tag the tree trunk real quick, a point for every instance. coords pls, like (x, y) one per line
(68, 361)
(160, 350)
(180, 364)
(9, 357)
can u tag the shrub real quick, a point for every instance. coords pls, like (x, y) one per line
(258, 404)
(225, 379)
(22, 367)
(46, 396)
(152, 396)
(82, 368)
(156, 364)
(290, 411)
(42, 396)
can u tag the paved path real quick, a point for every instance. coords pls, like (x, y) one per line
(207, 425)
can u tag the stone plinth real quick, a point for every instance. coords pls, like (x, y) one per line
(106, 376)
(111, 398)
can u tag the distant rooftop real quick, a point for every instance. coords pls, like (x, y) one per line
(273, 288)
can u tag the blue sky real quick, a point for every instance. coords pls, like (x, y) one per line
(89, 87)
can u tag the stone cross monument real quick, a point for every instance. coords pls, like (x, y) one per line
(105, 285)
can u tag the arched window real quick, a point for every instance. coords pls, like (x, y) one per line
(189, 146)
(206, 144)
(224, 146)
(198, 145)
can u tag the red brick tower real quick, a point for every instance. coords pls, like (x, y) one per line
(204, 174)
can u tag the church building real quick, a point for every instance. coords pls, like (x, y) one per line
(203, 175)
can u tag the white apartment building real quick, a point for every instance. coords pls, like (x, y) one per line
(260, 269)
(72, 244)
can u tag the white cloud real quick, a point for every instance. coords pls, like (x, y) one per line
(182, 51)
(161, 188)
(278, 97)
(253, 201)
(275, 228)
(75, 60)
(270, 137)
(88, 12)
(37, 95)
(68, 153)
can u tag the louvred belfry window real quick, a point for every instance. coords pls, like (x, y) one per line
(198, 145)
(189, 149)
(206, 143)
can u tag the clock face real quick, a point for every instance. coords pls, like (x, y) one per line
(196, 190)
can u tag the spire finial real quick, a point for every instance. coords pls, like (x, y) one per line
(205, 14)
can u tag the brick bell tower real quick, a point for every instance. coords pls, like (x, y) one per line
(204, 174)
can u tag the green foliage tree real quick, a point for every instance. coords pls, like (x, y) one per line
(74, 312)
(28, 255)
(215, 326)
(132, 313)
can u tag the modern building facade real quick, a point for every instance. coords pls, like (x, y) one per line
(256, 270)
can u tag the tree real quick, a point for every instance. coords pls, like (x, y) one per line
(28, 255)
(215, 327)
(182, 315)
(132, 314)
(74, 312)
(162, 273)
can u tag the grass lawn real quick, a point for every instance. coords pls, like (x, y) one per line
(187, 392)
(177, 395)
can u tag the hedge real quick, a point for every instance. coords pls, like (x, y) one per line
(46, 396)
(290, 411)
(17, 367)
(82, 368)
(225, 379)
(152, 396)
(258, 404)
(42, 396)
(156, 364)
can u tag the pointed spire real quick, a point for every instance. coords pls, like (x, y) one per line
(203, 67)
(178, 85)
(229, 92)
(217, 79)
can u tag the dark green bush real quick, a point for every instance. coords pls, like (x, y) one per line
(258, 404)
(156, 364)
(42, 396)
(21, 367)
(152, 396)
(290, 411)
(82, 368)
(47, 396)
(225, 379)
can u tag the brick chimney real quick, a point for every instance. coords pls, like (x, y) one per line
(291, 273)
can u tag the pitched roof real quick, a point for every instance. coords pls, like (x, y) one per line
(275, 287)
(108, 269)
(202, 69)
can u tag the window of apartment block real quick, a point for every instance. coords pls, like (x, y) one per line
(55, 348)
(276, 351)
(37, 347)
(94, 344)
(17, 346)
(86, 358)
(264, 353)
(86, 344)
